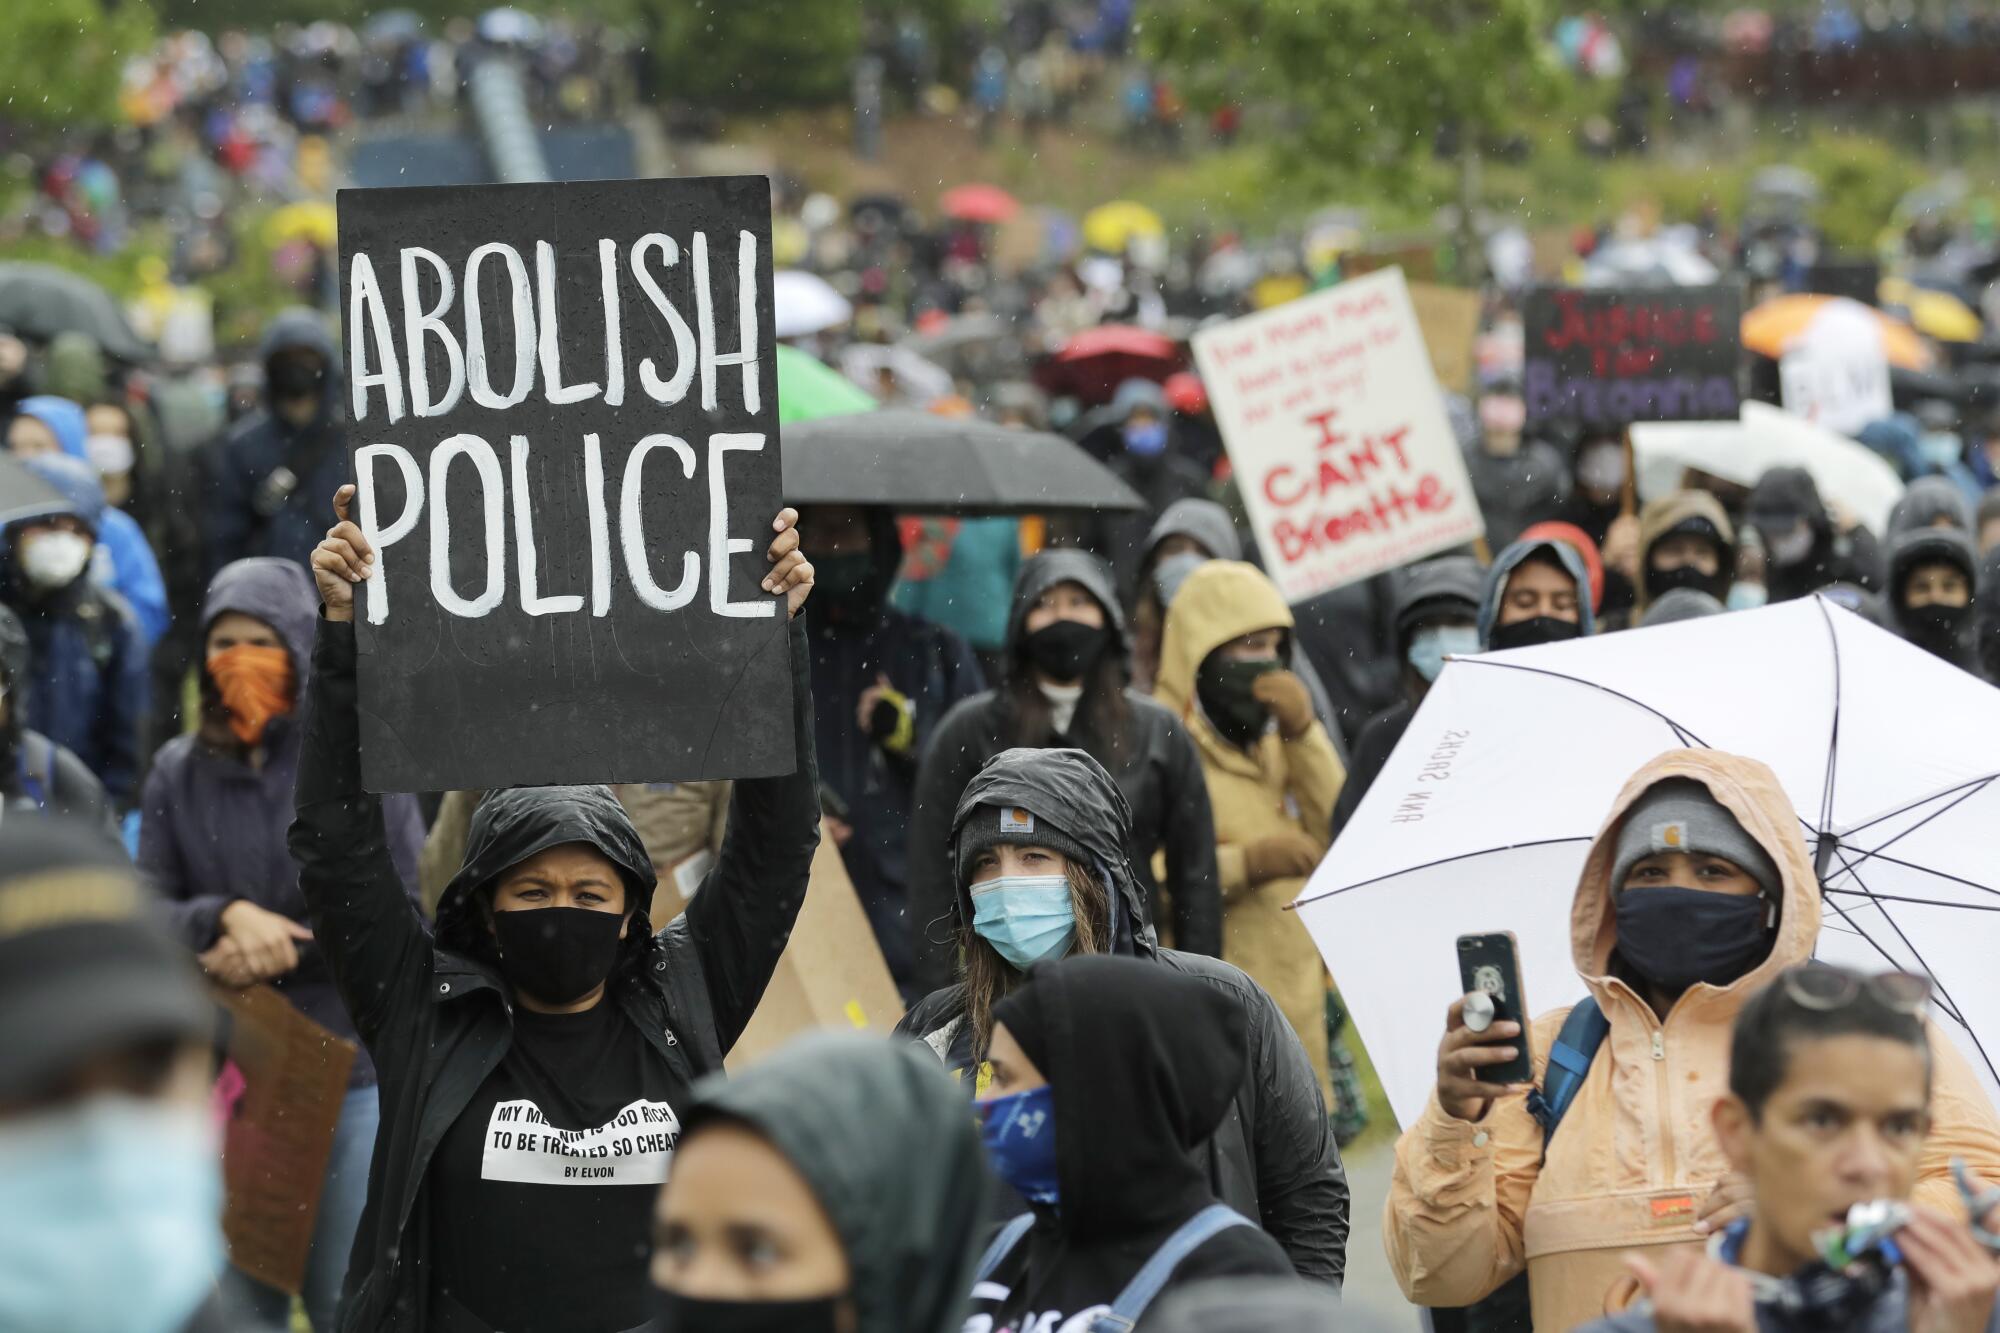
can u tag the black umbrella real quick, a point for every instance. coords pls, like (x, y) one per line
(39, 301)
(929, 464)
(23, 495)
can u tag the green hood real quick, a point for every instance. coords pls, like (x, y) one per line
(886, 1141)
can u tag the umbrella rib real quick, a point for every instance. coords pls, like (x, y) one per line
(1974, 784)
(1428, 865)
(1681, 733)
(1921, 902)
(1833, 738)
(1950, 1005)
(1938, 874)
(1972, 789)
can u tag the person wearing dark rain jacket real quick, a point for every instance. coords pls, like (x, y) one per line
(543, 1009)
(1929, 584)
(1805, 549)
(1051, 813)
(1108, 1077)
(1067, 684)
(848, 1164)
(217, 803)
(883, 679)
(35, 773)
(90, 689)
(1536, 592)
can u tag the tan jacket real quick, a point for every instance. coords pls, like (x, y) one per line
(1469, 1204)
(1664, 513)
(675, 820)
(1274, 786)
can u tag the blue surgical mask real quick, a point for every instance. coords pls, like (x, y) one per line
(1941, 448)
(1431, 644)
(1747, 596)
(1019, 1132)
(1025, 917)
(110, 1217)
(1146, 438)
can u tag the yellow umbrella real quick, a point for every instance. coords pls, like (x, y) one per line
(1935, 314)
(310, 221)
(1773, 326)
(1111, 227)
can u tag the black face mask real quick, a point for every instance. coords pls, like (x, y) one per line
(685, 1314)
(1065, 649)
(1675, 937)
(1660, 582)
(1533, 631)
(557, 954)
(848, 589)
(292, 378)
(1224, 688)
(1935, 628)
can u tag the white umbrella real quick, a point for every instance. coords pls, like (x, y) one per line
(1849, 474)
(805, 303)
(510, 27)
(1482, 816)
(1658, 262)
(917, 380)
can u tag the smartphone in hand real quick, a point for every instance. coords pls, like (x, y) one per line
(1491, 964)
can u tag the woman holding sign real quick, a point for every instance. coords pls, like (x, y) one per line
(532, 1054)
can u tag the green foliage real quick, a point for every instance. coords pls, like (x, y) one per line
(1362, 86)
(752, 54)
(60, 60)
(1860, 178)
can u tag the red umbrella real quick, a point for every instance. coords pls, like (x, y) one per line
(979, 203)
(1094, 363)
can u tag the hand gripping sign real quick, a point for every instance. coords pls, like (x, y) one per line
(563, 405)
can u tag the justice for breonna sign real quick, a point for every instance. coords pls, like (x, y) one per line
(563, 404)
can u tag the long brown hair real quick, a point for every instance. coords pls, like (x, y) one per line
(988, 976)
(1102, 715)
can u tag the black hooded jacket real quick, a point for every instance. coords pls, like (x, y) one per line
(1986, 616)
(1272, 1158)
(438, 1018)
(1955, 642)
(1140, 1063)
(1156, 765)
(1851, 557)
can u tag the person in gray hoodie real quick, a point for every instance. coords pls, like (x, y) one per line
(1536, 592)
(1929, 584)
(851, 1161)
(216, 806)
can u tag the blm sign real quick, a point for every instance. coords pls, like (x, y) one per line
(1607, 357)
(563, 405)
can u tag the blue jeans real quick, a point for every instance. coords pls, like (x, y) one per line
(340, 1203)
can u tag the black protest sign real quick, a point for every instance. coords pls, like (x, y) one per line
(1606, 357)
(563, 402)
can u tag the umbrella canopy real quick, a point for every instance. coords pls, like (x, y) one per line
(916, 379)
(1655, 263)
(929, 464)
(809, 389)
(804, 303)
(509, 26)
(1933, 313)
(1547, 736)
(23, 495)
(39, 301)
(1775, 325)
(1095, 362)
(1111, 227)
(1849, 474)
(311, 220)
(979, 203)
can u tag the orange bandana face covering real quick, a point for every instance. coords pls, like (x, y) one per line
(255, 684)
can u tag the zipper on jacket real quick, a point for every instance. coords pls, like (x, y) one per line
(1659, 1044)
(1665, 1111)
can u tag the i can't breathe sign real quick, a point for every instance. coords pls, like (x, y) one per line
(563, 406)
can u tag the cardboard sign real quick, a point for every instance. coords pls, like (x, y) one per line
(1337, 435)
(279, 1131)
(1837, 372)
(563, 401)
(1449, 318)
(1605, 358)
(832, 974)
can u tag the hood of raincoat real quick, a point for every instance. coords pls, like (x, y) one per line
(1749, 791)
(1791, 490)
(277, 592)
(65, 421)
(1134, 394)
(1220, 601)
(295, 328)
(1665, 514)
(1925, 501)
(1921, 545)
(1448, 585)
(76, 368)
(1045, 571)
(1503, 568)
(880, 1133)
(515, 823)
(1144, 1062)
(1205, 521)
(77, 481)
(1071, 791)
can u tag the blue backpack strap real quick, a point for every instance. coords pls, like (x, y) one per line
(1140, 1291)
(1003, 1245)
(1583, 1031)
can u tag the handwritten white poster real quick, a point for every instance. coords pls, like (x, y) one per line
(1837, 373)
(1337, 435)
